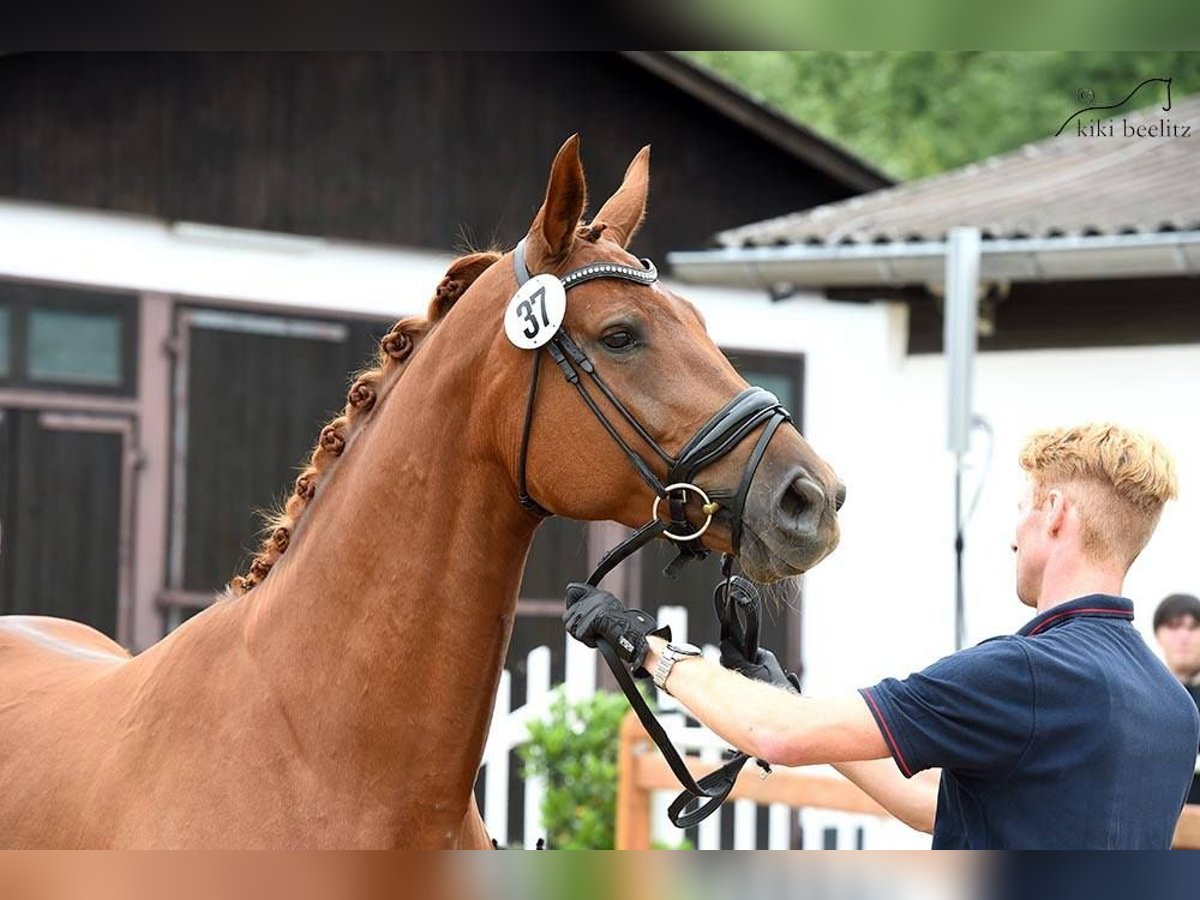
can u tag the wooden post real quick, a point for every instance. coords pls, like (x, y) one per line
(633, 800)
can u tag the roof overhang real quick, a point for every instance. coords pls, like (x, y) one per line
(759, 118)
(119, 251)
(1158, 255)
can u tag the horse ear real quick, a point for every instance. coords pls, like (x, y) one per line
(553, 230)
(625, 210)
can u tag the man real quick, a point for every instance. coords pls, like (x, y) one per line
(1177, 630)
(1069, 734)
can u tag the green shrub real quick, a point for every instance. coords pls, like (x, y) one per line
(575, 749)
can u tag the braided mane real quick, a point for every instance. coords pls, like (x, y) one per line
(395, 349)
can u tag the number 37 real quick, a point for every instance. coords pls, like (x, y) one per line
(525, 308)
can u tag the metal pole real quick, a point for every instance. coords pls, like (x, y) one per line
(960, 624)
(959, 342)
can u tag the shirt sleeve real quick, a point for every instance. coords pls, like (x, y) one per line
(972, 712)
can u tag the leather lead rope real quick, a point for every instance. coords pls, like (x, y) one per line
(711, 790)
(522, 488)
(699, 799)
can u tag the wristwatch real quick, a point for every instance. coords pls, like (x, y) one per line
(671, 654)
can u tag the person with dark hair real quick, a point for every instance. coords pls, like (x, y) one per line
(1177, 630)
(1069, 734)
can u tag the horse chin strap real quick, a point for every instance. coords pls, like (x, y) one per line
(725, 430)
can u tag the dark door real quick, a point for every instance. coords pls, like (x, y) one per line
(60, 517)
(256, 391)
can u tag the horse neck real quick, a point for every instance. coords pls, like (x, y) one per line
(385, 626)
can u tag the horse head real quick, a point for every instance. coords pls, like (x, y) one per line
(650, 348)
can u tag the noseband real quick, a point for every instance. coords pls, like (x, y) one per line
(725, 430)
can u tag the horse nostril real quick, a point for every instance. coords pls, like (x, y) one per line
(839, 498)
(801, 496)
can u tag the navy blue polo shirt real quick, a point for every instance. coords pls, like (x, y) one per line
(1069, 734)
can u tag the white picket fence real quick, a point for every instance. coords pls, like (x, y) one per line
(822, 829)
(509, 730)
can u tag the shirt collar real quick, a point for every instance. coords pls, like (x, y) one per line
(1091, 605)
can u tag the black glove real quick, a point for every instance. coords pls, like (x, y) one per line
(765, 667)
(593, 614)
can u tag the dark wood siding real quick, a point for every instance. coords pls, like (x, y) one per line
(421, 149)
(60, 496)
(1117, 313)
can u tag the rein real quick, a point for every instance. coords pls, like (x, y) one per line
(733, 598)
(722, 433)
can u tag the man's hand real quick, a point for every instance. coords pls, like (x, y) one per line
(593, 614)
(764, 667)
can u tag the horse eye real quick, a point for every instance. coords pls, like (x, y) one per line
(619, 340)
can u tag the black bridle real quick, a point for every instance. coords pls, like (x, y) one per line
(751, 409)
(724, 431)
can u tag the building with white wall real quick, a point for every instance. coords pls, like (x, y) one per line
(1089, 308)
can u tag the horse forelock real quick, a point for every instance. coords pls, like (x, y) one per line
(395, 350)
(591, 232)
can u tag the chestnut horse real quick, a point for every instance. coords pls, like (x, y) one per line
(340, 694)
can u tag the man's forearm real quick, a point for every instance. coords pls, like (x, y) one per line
(911, 800)
(768, 722)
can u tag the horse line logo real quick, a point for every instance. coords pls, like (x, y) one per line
(1098, 127)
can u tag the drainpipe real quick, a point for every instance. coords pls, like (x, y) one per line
(959, 341)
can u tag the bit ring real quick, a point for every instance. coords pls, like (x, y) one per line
(709, 508)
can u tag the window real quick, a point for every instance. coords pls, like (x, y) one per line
(75, 347)
(67, 339)
(782, 386)
(780, 373)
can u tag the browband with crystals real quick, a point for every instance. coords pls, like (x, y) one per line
(648, 274)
